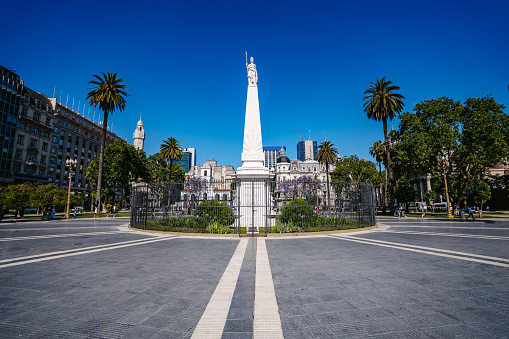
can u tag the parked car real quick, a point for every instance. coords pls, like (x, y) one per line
(79, 209)
(30, 210)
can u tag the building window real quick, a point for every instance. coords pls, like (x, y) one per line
(21, 125)
(24, 112)
(20, 139)
(31, 157)
(61, 142)
(65, 123)
(55, 130)
(55, 140)
(16, 169)
(52, 160)
(38, 104)
(46, 134)
(43, 159)
(44, 146)
(53, 150)
(35, 130)
(18, 154)
(37, 117)
(27, 98)
(72, 127)
(57, 121)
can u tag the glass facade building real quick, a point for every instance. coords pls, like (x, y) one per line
(10, 99)
(306, 150)
(188, 159)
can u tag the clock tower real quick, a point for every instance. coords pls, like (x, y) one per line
(139, 135)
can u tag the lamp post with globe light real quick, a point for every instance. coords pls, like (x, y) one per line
(444, 160)
(71, 163)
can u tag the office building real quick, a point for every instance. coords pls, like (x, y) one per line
(306, 150)
(10, 98)
(271, 155)
(188, 159)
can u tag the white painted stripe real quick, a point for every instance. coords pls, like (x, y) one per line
(57, 236)
(53, 228)
(454, 235)
(432, 251)
(452, 227)
(266, 322)
(59, 253)
(213, 319)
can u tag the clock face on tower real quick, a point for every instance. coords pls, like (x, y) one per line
(140, 135)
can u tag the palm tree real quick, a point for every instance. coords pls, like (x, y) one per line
(109, 94)
(381, 103)
(171, 150)
(327, 154)
(377, 151)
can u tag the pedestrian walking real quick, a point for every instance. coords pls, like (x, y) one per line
(470, 213)
(74, 214)
(53, 213)
(114, 210)
(95, 212)
(423, 212)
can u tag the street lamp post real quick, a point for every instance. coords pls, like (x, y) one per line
(71, 164)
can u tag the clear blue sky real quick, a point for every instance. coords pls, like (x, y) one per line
(184, 63)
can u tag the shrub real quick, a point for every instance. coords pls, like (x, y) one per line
(215, 227)
(213, 211)
(298, 211)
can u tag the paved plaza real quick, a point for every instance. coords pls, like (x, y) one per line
(409, 278)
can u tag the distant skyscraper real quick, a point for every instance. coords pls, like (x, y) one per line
(188, 159)
(271, 155)
(306, 150)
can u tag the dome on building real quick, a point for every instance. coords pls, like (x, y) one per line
(283, 159)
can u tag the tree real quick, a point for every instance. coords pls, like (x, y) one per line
(353, 169)
(159, 170)
(171, 150)
(16, 197)
(380, 104)
(430, 196)
(123, 164)
(42, 198)
(482, 193)
(327, 155)
(109, 94)
(443, 137)
(378, 152)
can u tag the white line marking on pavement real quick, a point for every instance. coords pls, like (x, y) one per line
(458, 235)
(428, 250)
(213, 319)
(266, 322)
(73, 252)
(451, 227)
(57, 236)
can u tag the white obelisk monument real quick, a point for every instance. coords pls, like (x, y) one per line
(254, 191)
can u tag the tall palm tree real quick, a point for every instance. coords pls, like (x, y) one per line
(381, 103)
(327, 155)
(377, 151)
(109, 94)
(171, 150)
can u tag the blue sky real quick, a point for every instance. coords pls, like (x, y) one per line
(184, 63)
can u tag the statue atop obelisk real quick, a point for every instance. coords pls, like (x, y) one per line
(252, 150)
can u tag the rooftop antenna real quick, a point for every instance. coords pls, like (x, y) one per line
(72, 108)
(67, 100)
(246, 58)
(83, 109)
(60, 96)
(88, 114)
(79, 102)
(54, 89)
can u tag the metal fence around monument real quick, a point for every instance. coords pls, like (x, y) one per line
(207, 206)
